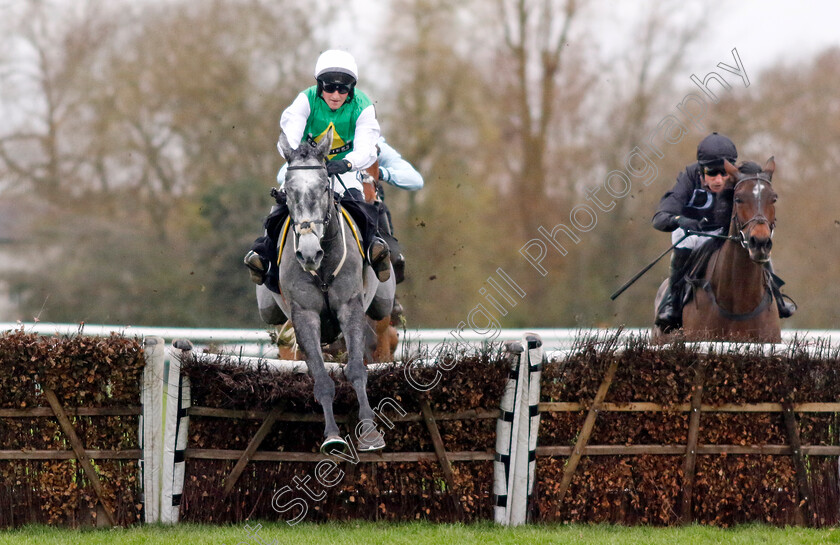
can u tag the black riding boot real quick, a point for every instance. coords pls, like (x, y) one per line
(669, 314)
(379, 258)
(386, 230)
(263, 251)
(785, 304)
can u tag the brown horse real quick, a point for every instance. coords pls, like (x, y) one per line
(733, 300)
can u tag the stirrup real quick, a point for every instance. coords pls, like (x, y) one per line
(786, 307)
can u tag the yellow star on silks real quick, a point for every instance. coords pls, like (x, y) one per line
(337, 142)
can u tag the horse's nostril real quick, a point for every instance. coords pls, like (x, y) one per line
(299, 256)
(318, 255)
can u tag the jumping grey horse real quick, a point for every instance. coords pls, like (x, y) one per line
(326, 287)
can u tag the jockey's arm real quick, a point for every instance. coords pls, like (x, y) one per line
(672, 203)
(293, 124)
(395, 170)
(665, 221)
(293, 121)
(364, 140)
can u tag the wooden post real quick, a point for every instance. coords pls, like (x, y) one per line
(691, 445)
(437, 441)
(792, 429)
(440, 452)
(586, 430)
(252, 447)
(79, 450)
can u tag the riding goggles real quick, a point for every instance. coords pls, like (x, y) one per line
(333, 87)
(714, 171)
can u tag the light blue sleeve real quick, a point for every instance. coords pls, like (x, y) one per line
(399, 173)
(281, 175)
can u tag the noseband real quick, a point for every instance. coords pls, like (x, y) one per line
(758, 218)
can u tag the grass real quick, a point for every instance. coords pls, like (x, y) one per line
(420, 534)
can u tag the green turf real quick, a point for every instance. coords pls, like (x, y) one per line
(421, 534)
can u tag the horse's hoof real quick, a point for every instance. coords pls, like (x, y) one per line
(334, 442)
(371, 442)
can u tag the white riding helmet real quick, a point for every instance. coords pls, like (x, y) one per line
(334, 60)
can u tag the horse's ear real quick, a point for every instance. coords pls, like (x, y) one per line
(283, 146)
(731, 170)
(770, 166)
(324, 146)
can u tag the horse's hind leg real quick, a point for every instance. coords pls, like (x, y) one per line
(308, 332)
(353, 323)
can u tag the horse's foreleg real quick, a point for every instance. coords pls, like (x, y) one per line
(308, 333)
(352, 319)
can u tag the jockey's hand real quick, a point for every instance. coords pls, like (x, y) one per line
(688, 224)
(338, 166)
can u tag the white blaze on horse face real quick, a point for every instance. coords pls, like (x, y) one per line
(757, 188)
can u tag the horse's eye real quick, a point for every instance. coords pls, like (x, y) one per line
(739, 200)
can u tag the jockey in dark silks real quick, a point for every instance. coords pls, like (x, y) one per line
(333, 103)
(690, 206)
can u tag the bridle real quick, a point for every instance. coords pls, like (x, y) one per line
(759, 218)
(305, 227)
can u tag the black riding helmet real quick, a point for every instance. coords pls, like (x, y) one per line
(712, 150)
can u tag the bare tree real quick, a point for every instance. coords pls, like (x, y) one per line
(535, 40)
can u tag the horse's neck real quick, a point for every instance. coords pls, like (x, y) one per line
(738, 281)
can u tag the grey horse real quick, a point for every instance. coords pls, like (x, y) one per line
(327, 288)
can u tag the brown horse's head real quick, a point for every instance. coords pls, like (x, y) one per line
(754, 210)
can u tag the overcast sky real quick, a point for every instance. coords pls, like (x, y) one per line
(765, 32)
(772, 31)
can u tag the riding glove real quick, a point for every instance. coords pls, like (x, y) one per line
(338, 166)
(688, 224)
